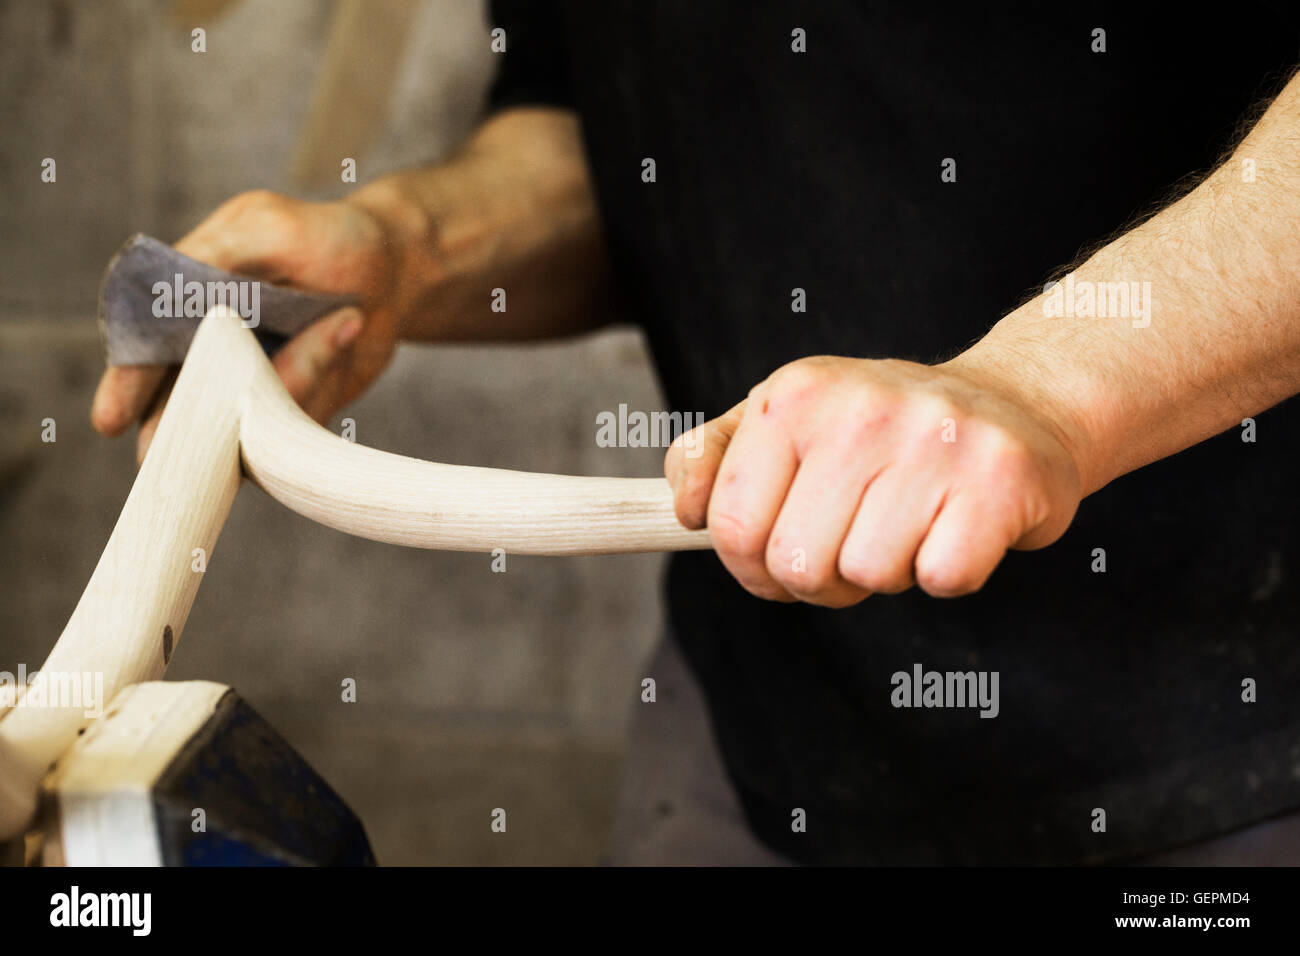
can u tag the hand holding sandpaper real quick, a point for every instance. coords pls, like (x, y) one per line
(323, 350)
(153, 297)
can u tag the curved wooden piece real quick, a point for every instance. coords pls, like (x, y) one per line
(422, 504)
(227, 402)
(132, 612)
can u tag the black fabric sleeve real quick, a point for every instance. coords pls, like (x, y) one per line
(532, 69)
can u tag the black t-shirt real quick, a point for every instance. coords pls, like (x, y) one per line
(1119, 690)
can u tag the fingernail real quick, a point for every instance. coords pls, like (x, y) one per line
(348, 331)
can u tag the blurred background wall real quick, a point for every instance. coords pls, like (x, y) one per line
(476, 689)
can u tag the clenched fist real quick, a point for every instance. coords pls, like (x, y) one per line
(840, 477)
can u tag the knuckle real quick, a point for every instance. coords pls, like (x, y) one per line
(272, 212)
(264, 198)
(1006, 455)
(798, 571)
(793, 385)
(867, 418)
(733, 534)
(253, 200)
(927, 415)
(857, 569)
(871, 573)
(945, 577)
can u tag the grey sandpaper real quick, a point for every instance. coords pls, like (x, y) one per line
(147, 315)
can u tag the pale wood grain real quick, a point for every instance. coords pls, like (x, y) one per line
(229, 400)
(140, 593)
(421, 504)
(98, 801)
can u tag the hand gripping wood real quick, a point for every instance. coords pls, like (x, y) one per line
(228, 405)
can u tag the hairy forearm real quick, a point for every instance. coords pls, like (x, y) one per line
(514, 211)
(1211, 331)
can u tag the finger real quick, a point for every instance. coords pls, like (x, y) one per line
(748, 492)
(249, 233)
(803, 551)
(124, 394)
(153, 414)
(309, 355)
(692, 461)
(967, 540)
(896, 512)
(325, 399)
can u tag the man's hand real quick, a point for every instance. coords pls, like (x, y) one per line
(839, 477)
(335, 247)
(833, 479)
(424, 249)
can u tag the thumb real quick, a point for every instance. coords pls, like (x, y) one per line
(309, 355)
(692, 463)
